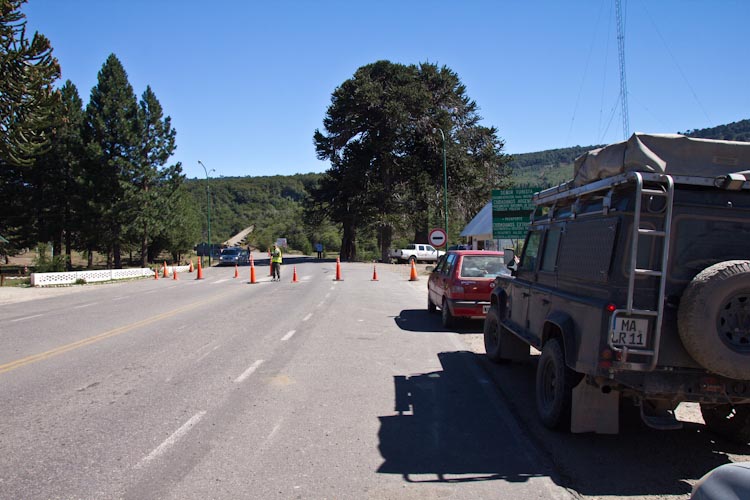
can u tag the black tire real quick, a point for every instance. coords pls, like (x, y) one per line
(710, 319)
(447, 318)
(492, 335)
(412, 260)
(554, 387)
(431, 307)
(732, 423)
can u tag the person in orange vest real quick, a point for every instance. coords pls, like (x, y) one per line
(276, 263)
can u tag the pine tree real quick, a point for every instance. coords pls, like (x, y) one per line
(112, 143)
(152, 184)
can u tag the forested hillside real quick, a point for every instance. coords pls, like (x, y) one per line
(735, 131)
(274, 205)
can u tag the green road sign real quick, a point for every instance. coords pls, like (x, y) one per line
(511, 209)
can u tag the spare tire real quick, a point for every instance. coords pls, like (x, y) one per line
(714, 319)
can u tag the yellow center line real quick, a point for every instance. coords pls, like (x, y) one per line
(111, 333)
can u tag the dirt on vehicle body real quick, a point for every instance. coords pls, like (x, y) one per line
(634, 282)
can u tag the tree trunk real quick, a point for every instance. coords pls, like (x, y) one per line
(144, 246)
(385, 239)
(348, 250)
(90, 260)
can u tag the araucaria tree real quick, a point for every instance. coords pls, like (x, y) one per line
(27, 99)
(382, 139)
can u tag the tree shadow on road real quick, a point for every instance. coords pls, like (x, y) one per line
(447, 430)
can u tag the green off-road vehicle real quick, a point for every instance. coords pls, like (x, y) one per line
(634, 283)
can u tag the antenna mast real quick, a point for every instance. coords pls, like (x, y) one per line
(623, 79)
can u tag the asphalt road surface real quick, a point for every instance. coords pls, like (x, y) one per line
(222, 389)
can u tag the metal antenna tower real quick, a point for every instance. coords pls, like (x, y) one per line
(623, 78)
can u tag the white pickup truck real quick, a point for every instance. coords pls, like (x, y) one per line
(416, 252)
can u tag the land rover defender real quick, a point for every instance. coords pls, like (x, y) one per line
(634, 283)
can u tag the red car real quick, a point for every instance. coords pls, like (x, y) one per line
(462, 282)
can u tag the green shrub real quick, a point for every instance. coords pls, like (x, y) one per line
(43, 264)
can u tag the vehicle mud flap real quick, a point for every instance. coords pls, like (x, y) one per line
(594, 411)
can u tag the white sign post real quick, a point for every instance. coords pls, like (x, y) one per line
(437, 237)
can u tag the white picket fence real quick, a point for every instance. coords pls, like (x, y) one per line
(69, 278)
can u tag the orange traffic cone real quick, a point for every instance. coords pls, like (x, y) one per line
(338, 270)
(200, 271)
(374, 273)
(294, 275)
(236, 271)
(252, 270)
(413, 276)
(174, 273)
(166, 273)
(191, 267)
(156, 274)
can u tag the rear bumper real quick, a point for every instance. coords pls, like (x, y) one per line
(474, 309)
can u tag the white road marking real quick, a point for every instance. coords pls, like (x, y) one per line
(288, 336)
(26, 317)
(306, 278)
(221, 281)
(249, 371)
(206, 354)
(328, 295)
(121, 298)
(85, 305)
(320, 304)
(307, 317)
(171, 440)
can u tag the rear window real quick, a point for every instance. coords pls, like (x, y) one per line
(482, 266)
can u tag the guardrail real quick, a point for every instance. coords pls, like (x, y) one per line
(69, 278)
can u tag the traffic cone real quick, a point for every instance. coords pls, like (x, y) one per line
(166, 274)
(156, 274)
(413, 276)
(174, 274)
(252, 270)
(338, 270)
(294, 275)
(374, 273)
(236, 271)
(191, 267)
(200, 271)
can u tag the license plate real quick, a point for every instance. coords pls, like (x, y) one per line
(630, 332)
(485, 309)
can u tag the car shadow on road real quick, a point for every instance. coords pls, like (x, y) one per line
(420, 320)
(637, 462)
(445, 430)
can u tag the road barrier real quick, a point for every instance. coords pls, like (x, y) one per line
(70, 278)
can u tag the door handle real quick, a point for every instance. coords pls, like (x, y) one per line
(525, 294)
(545, 302)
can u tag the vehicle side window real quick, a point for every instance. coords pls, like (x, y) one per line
(531, 252)
(430, 248)
(448, 264)
(551, 245)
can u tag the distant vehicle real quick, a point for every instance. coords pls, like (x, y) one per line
(459, 247)
(462, 282)
(416, 252)
(234, 255)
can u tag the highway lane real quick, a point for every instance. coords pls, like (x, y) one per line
(222, 389)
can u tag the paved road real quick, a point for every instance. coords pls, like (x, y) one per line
(221, 389)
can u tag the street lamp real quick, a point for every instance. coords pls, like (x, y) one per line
(208, 209)
(445, 185)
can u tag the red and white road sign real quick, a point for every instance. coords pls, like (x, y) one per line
(437, 237)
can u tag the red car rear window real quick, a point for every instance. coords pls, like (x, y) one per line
(482, 266)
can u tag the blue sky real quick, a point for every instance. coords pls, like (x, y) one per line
(247, 82)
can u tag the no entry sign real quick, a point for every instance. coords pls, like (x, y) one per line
(437, 237)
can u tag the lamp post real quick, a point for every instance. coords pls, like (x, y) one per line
(208, 209)
(445, 185)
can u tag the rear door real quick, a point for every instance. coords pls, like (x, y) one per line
(477, 275)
